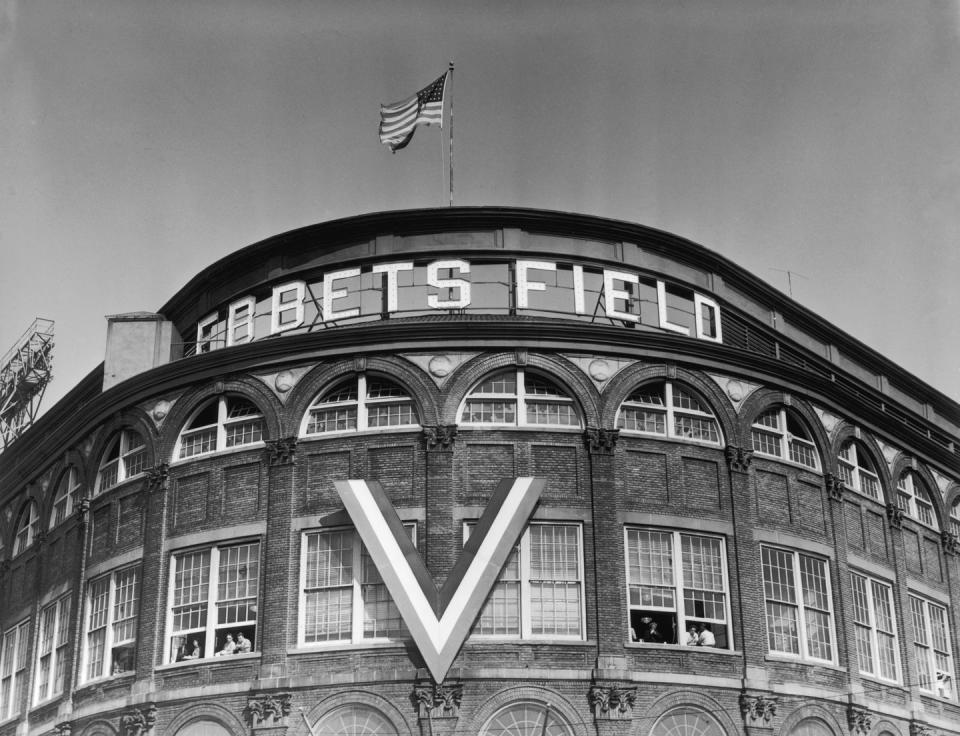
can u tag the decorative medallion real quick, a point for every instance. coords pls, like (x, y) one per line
(599, 370)
(440, 366)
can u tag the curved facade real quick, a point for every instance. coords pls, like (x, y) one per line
(483, 471)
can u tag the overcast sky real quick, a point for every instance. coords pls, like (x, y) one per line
(141, 141)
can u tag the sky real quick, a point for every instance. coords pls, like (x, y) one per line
(140, 141)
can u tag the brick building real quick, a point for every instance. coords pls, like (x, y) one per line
(745, 523)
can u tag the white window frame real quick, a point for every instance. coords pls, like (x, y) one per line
(853, 471)
(221, 428)
(68, 493)
(110, 622)
(212, 625)
(679, 609)
(670, 414)
(800, 606)
(357, 624)
(870, 626)
(954, 519)
(363, 404)
(53, 642)
(927, 650)
(127, 453)
(526, 582)
(520, 399)
(913, 499)
(28, 524)
(14, 655)
(785, 439)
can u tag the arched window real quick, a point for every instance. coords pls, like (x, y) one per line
(779, 433)
(204, 727)
(811, 727)
(687, 721)
(27, 526)
(68, 494)
(526, 719)
(669, 410)
(856, 470)
(221, 423)
(520, 398)
(355, 720)
(358, 404)
(125, 457)
(954, 520)
(913, 498)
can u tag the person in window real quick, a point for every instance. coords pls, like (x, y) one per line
(692, 638)
(229, 647)
(653, 634)
(194, 650)
(243, 644)
(707, 638)
(642, 632)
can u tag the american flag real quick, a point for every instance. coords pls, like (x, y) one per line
(398, 121)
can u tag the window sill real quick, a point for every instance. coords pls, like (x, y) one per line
(46, 703)
(408, 428)
(180, 462)
(345, 647)
(109, 680)
(638, 645)
(207, 660)
(107, 491)
(521, 427)
(787, 659)
(776, 459)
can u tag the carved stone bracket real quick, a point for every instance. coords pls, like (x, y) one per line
(612, 702)
(83, 508)
(757, 710)
(895, 515)
(438, 701)
(63, 729)
(950, 542)
(139, 721)
(835, 486)
(739, 458)
(158, 477)
(921, 729)
(440, 437)
(282, 451)
(268, 710)
(601, 441)
(860, 721)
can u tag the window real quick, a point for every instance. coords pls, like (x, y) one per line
(112, 604)
(669, 410)
(68, 495)
(778, 433)
(539, 592)
(914, 500)
(676, 581)
(221, 423)
(876, 631)
(27, 526)
(125, 457)
(686, 721)
(931, 645)
(13, 669)
(213, 594)
(797, 592)
(361, 403)
(343, 598)
(355, 720)
(518, 397)
(526, 719)
(954, 519)
(856, 471)
(54, 636)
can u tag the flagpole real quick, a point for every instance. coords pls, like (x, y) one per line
(451, 134)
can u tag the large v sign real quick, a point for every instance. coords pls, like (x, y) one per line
(439, 620)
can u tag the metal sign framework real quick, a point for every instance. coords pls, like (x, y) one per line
(25, 371)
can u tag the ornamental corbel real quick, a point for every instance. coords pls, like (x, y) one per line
(158, 477)
(63, 729)
(835, 486)
(739, 458)
(861, 721)
(921, 729)
(265, 711)
(601, 441)
(282, 451)
(895, 515)
(950, 543)
(757, 710)
(83, 508)
(612, 702)
(438, 701)
(440, 437)
(139, 721)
